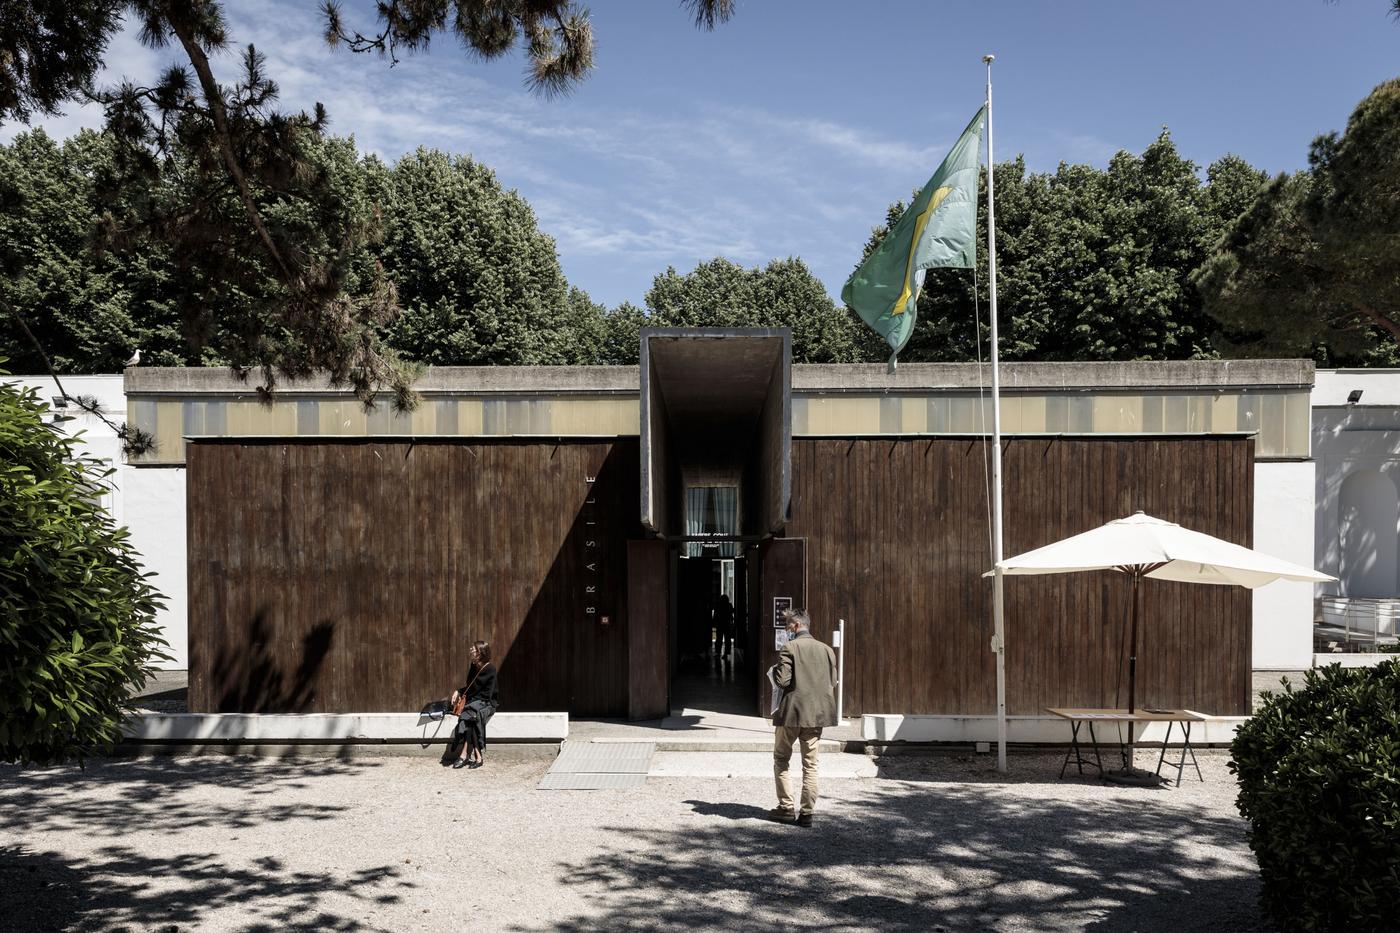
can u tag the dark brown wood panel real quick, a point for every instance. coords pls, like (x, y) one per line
(783, 573)
(339, 576)
(648, 682)
(897, 534)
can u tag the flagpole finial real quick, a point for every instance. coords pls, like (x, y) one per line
(988, 59)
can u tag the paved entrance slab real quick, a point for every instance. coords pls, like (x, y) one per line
(595, 766)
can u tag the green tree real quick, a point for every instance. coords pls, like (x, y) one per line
(478, 282)
(49, 52)
(785, 293)
(89, 309)
(1311, 266)
(1092, 264)
(77, 616)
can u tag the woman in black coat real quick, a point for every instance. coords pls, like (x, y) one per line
(481, 698)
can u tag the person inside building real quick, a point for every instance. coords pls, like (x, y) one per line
(474, 704)
(724, 626)
(806, 675)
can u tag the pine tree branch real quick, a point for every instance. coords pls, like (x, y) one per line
(134, 440)
(214, 97)
(1382, 321)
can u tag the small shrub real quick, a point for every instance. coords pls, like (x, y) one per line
(77, 615)
(1319, 773)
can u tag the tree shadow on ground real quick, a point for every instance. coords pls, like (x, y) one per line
(928, 857)
(112, 796)
(121, 888)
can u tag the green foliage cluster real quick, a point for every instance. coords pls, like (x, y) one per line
(77, 615)
(1311, 266)
(1319, 775)
(1092, 264)
(784, 293)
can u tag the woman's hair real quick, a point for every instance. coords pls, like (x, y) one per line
(483, 651)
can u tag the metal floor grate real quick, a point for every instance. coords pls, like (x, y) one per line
(599, 766)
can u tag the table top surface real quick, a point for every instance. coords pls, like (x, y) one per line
(1122, 715)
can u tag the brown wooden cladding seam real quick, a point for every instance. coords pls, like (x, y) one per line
(897, 538)
(338, 577)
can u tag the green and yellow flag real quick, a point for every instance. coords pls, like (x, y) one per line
(938, 229)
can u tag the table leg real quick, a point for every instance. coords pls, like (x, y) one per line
(1073, 747)
(1098, 762)
(1185, 750)
(1162, 757)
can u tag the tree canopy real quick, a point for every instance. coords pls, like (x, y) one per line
(258, 213)
(1313, 266)
(1092, 264)
(784, 293)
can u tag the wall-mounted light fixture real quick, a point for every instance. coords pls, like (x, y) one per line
(59, 401)
(1354, 397)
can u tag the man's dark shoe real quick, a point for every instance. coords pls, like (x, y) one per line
(779, 815)
(459, 764)
(804, 819)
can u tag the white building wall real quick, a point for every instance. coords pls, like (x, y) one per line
(155, 513)
(1356, 446)
(149, 501)
(1283, 527)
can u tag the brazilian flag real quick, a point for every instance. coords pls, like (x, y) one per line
(938, 229)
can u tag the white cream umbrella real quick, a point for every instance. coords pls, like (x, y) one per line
(1143, 546)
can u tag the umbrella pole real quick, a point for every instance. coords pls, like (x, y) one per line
(1136, 598)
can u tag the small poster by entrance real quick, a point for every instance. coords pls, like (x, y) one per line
(780, 639)
(781, 604)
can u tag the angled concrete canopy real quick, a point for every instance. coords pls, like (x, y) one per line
(716, 409)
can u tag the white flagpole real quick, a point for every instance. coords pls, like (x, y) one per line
(998, 602)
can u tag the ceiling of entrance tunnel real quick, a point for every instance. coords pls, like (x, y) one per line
(713, 389)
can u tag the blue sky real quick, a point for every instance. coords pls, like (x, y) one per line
(788, 130)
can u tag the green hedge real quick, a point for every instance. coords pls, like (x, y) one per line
(1319, 773)
(77, 615)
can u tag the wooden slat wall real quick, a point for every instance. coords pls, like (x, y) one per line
(897, 538)
(350, 576)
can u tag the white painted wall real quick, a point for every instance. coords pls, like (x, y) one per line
(98, 440)
(155, 513)
(1283, 527)
(149, 501)
(1357, 450)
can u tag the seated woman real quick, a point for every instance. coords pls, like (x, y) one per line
(478, 701)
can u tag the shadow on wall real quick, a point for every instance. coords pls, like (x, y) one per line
(253, 679)
(115, 886)
(930, 857)
(562, 656)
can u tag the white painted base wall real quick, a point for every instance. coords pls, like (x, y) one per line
(1283, 526)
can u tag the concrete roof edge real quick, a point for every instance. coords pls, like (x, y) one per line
(874, 377)
(848, 377)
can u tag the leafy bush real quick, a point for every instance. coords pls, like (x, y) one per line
(1319, 773)
(77, 615)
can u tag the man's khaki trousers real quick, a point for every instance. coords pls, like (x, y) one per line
(783, 737)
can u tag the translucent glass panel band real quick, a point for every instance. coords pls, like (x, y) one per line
(171, 420)
(1280, 417)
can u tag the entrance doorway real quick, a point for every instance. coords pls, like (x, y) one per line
(714, 654)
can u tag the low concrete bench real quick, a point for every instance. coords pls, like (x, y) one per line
(344, 729)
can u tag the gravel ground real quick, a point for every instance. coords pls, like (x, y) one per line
(219, 843)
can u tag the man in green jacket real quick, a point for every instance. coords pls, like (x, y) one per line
(806, 675)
